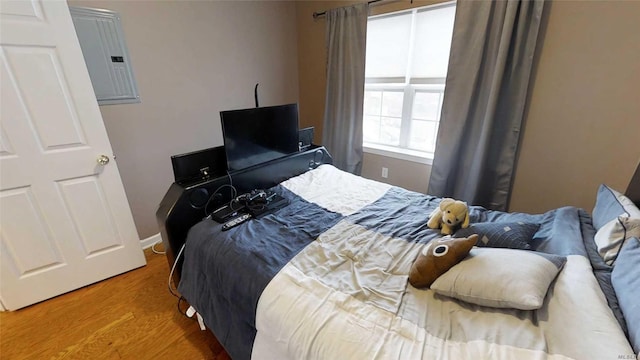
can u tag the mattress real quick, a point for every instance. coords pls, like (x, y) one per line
(326, 278)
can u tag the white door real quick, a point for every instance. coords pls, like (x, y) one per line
(64, 218)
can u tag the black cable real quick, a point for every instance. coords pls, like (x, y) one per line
(239, 200)
(256, 207)
(255, 94)
(234, 193)
(180, 299)
(178, 296)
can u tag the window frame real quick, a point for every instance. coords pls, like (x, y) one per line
(409, 86)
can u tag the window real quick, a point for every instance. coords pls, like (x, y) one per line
(406, 67)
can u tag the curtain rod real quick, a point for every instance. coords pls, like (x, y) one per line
(323, 13)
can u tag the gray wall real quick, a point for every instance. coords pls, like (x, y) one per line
(407, 174)
(583, 121)
(192, 59)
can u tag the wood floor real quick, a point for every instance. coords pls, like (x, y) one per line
(131, 316)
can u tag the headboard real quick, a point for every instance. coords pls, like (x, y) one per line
(633, 190)
(183, 204)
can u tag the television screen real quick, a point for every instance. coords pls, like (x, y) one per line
(257, 135)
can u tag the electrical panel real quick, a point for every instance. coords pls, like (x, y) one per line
(105, 53)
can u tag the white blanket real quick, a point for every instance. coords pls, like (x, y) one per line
(346, 296)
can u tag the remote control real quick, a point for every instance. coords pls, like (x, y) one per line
(235, 222)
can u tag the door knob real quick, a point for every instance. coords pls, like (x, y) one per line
(103, 160)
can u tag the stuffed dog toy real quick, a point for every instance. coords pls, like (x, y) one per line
(449, 214)
(437, 257)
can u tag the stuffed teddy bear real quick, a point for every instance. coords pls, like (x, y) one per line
(449, 214)
(437, 257)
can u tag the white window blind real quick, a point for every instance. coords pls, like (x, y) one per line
(406, 67)
(432, 42)
(386, 56)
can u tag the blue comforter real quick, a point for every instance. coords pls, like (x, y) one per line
(224, 273)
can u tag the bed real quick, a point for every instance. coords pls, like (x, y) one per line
(326, 277)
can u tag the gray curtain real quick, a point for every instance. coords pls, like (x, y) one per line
(487, 82)
(342, 130)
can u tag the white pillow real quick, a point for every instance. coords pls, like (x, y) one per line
(501, 278)
(612, 235)
(610, 204)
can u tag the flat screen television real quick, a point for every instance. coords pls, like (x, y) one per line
(257, 135)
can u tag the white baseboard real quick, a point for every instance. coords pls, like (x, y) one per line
(148, 242)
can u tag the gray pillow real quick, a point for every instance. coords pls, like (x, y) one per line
(609, 205)
(501, 278)
(512, 235)
(625, 279)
